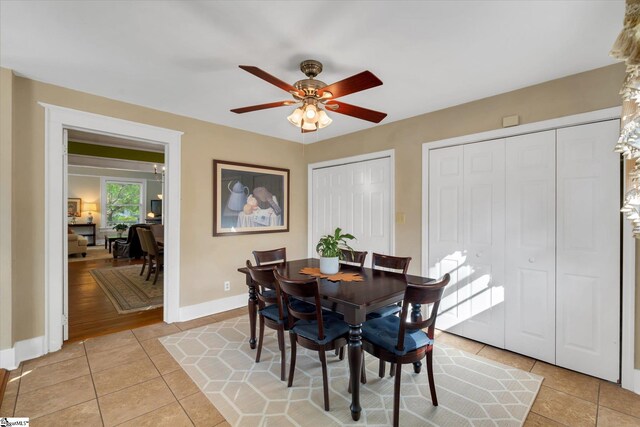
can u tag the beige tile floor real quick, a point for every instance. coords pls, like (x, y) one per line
(129, 379)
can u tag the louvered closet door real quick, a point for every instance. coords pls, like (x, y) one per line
(530, 274)
(354, 197)
(483, 237)
(588, 250)
(446, 251)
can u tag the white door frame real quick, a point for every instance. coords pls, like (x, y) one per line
(628, 242)
(59, 118)
(345, 160)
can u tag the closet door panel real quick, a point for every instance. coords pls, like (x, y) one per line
(483, 239)
(530, 245)
(588, 250)
(446, 251)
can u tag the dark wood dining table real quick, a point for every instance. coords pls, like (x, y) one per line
(351, 299)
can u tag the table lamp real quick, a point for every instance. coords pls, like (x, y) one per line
(90, 207)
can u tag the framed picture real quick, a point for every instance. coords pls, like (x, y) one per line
(74, 207)
(249, 199)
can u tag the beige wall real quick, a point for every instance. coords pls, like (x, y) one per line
(206, 262)
(6, 108)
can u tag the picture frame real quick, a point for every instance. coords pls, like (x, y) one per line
(74, 207)
(249, 199)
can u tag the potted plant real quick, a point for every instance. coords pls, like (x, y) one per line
(328, 248)
(120, 228)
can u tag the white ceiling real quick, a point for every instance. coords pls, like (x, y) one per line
(183, 56)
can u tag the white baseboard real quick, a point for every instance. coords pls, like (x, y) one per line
(8, 359)
(212, 307)
(21, 351)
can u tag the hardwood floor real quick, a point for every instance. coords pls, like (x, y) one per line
(90, 311)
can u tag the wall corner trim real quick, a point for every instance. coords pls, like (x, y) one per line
(207, 308)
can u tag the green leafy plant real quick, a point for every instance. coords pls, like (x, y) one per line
(329, 246)
(120, 227)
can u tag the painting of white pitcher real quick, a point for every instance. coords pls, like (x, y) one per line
(249, 199)
(238, 196)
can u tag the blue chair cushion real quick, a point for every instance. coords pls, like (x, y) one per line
(271, 312)
(333, 328)
(389, 310)
(302, 306)
(269, 293)
(383, 332)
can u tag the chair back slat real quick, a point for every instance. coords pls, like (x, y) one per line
(428, 293)
(307, 288)
(264, 278)
(353, 257)
(273, 256)
(400, 264)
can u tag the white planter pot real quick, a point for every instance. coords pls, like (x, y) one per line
(329, 265)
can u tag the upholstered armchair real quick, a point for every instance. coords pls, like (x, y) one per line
(77, 244)
(130, 248)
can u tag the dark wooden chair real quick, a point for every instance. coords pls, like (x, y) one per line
(356, 258)
(393, 339)
(273, 256)
(393, 263)
(319, 330)
(155, 255)
(270, 309)
(145, 252)
(396, 265)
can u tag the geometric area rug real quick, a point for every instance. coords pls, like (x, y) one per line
(472, 391)
(127, 289)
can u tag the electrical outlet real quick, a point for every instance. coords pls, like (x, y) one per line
(227, 286)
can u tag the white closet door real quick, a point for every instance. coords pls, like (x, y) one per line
(446, 251)
(356, 198)
(483, 237)
(530, 311)
(588, 250)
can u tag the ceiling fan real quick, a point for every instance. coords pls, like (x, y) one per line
(314, 96)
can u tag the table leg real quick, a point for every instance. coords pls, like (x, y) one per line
(355, 367)
(253, 308)
(416, 316)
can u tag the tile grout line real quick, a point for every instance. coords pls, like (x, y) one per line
(15, 404)
(94, 384)
(598, 402)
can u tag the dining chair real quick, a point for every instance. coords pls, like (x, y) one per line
(145, 252)
(397, 265)
(270, 309)
(273, 256)
(156, 256)
(356, 258)
(318, 330)
(396, 340)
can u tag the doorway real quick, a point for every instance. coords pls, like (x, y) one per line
(113, 182)
(57, 119)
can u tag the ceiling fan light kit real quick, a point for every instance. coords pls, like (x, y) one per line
(311, 95)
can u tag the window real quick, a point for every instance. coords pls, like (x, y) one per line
(123, 202)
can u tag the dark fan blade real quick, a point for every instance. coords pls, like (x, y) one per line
(364, 80)
(262, 107)
(271, 79)
(354, 111)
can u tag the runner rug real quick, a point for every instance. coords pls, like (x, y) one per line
(127, 289)
(471, 390)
